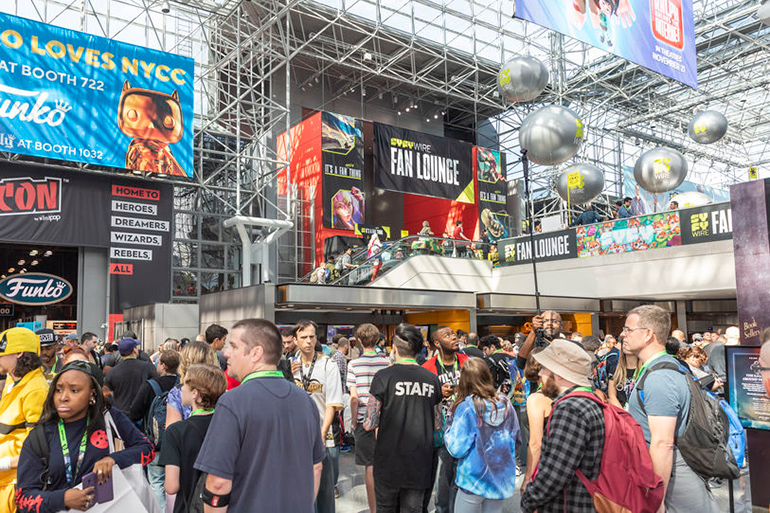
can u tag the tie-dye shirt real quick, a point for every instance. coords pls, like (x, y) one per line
(486, 448)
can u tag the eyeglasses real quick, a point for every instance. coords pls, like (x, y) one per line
(758, 369)
(628, 328)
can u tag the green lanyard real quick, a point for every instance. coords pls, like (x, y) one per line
(263, 374)
(455, 366)
(404, 361)
(582, 389)
(66, 450)
(654, 357)
(203, 410)
(369, 353)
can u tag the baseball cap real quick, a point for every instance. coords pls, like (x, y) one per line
(126, 345)
(47, 337)
(86, 368)
(71, 336)
(568, 360)
(19, 340)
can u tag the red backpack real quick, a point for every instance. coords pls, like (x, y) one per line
(626, 482)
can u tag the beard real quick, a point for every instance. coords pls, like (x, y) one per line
(551, 389)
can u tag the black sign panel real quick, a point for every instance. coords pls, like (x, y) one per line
(560, 245)
(343, 171)
(706, 224)
(493, 194)
(6, 310)
(417, 163)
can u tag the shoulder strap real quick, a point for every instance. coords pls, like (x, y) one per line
(660, 365)
(39, 446)
(587, 395)
(155, 386)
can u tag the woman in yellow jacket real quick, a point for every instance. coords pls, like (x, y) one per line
(20, 405)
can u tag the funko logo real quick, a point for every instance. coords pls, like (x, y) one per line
(37, 112)
(20, 196)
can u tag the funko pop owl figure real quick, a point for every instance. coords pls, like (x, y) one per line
(154, 120)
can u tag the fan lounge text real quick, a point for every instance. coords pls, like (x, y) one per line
(544, 248)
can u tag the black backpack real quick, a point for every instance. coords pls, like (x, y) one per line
(704, 444)
(39, 446)
(155, 419)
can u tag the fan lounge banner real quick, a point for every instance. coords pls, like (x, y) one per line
(706, 224)
(560, 245)
(129, 218)
(417, 163)
(343, 171)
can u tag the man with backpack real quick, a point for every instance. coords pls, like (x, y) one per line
(497, 361)
(661, 405)
(149, 409)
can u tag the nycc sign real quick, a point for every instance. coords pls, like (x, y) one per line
(29, 196)
(36, 289)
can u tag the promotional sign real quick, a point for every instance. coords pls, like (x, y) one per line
(656, 34)
(417, 163)
(493, 194)
(343, 171)
(548, 247)
(748, 395)
(628, 235)
(643, 202)
(366, 231)
(707, 224)
(36, 289)
(72, 96)
(6, 310)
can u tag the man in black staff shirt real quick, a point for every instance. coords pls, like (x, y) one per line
(263, 451)
(404, 408)
(125, 380)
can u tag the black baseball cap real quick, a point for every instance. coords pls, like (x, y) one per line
(47, 337)
(86, 368)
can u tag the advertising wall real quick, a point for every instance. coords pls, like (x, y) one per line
(656, 34)
(417, 163)
(628, 235)
(129, 217)
(748, 395)
(493, 193)
(72, 96)
(707, 224)
(343, 171)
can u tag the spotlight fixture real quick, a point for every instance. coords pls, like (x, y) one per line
(399, 113)
(407, 109)
(21, 262)
(368, 56)
(48, 253)
(166, 8)
(363, 91)
(11, 270)
(23, 271)
(33, 252)
(34, 262)
(317, 80)
(427, 120)
(435, 116)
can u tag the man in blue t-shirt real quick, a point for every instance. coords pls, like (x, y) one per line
(267, 457)
(663, 414)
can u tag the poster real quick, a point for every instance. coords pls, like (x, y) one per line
(342, 146)
(748, 395)
(422, 164)
(656, 34)
(707, 224)
(72, 96)
(493, 194)
(548, 247)
(644, 202)
(629, 235)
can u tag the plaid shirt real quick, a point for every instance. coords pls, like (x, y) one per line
(575, 441)
(342, 364)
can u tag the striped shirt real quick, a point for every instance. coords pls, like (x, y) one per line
(361, 372)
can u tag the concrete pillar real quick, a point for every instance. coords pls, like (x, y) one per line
(93, 294)
(681, 318)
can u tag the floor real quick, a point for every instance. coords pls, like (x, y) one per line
(353, 492)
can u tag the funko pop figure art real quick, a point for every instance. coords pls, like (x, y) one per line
(154, 120)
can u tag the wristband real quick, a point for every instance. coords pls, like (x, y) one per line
(5, 464)
(215, 501)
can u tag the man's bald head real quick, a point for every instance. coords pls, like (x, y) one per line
(551, 324)
(678, 334)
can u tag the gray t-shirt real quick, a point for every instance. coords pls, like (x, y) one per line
(264, 436)
(666, 394)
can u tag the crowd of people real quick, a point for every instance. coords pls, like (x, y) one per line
(255, 418)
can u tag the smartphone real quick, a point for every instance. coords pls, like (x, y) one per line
(90, 480)
(104, 491)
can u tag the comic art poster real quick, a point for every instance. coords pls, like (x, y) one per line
(342, 147)
(493, 193)
(73, 96)
(629, 235)
(656, 34)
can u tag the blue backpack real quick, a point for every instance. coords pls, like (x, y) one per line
(155, 420)
(737, 438)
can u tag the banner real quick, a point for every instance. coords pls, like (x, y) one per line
(130, 218)
(643, 202)
(548, 247)
(656, 34)
(707, 224)
(493, 194)
(629, 235)
(72, 96)
(342, 145)
(426, 165)
(748, 395)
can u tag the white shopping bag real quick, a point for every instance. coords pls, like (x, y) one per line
(125, 501)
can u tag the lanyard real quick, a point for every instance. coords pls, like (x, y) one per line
(369, 353)
(404, 361)
(203, 410)
(306, 377)
(66, 450)
(260, 374)
(581, 389)
(455, 366)
(644, 366)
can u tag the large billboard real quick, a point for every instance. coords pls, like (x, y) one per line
(629, 235)
(493, 194)
(548, 247)
(342, 145)
(417, 163)
(707, 224)
(656, 34)
(72, 96)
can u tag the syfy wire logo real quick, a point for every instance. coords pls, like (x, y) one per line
(20, 196)
(667, 18)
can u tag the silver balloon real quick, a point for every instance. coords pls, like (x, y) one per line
(522, 79)
(708, 127)
(691, 199)
(660, 170)
(580, 183)
(763, 13)
(551, 135)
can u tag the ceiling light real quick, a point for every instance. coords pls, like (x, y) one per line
(34, 262)
(368, 56)
(11, 269)
(23, 271)
(427, 120)
(166, 8)
(317, 80)
(363, 91)
(48, 253)
(33, 252)
(435, 116)
(399, 113)
(21, 262)
(2, 277)
(407, 109)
